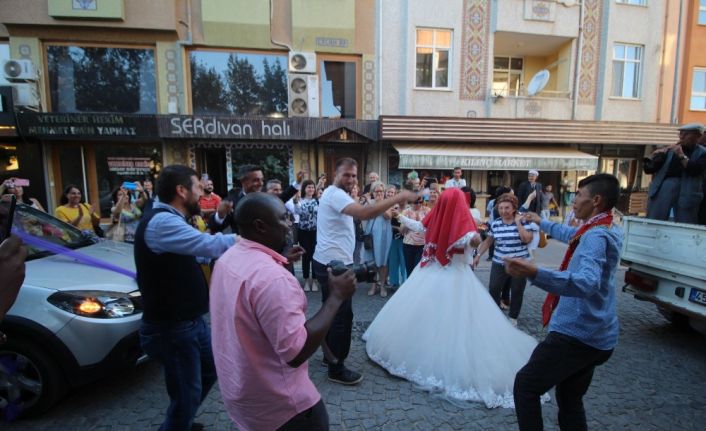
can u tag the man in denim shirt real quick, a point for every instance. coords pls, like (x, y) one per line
(584, 328)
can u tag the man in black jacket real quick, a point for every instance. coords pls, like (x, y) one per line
(251, 181)
(529, 186)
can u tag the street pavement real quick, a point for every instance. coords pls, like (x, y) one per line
(654, 381)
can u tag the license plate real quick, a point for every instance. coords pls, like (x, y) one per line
(698, 296)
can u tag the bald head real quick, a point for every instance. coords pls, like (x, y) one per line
(261, 217)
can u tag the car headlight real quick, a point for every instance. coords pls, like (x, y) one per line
(98, 304)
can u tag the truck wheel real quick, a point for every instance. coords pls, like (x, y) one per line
(31, 381)
(678, 320)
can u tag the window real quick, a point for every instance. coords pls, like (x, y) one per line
(4, 55)
(238, 83)
(507, 76)
(702, 12)
(338, 89)
(102, 79)
(633, 2)
(627, 65)
(698, 90)
(433, 56)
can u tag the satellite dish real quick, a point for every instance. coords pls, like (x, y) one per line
(538, 82)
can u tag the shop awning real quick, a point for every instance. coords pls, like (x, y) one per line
(496, 157)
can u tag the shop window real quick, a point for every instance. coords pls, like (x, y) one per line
(8, 159)
(433, 57)
(507, 76)
(627, 70)
(698, 90)
(116, 163)
(624, 169)
(102, 79)
(338, 89)
(4, 55)
(238, 83)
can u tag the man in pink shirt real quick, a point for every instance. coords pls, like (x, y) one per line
(261, 338)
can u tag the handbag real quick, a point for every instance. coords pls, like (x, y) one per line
(368, 238)
(542, 240)
(116, 232)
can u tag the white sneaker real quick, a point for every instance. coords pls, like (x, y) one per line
(513, 322)
(307, 284)
(315, 286)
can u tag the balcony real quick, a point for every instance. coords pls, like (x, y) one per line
(539, 17)
(517, 58)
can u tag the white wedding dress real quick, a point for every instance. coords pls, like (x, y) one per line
(443, 331)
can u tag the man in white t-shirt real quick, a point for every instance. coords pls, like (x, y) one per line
(335, 240)
(456, 181)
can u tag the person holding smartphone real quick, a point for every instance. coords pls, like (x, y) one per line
(528, 187)
(15, 186)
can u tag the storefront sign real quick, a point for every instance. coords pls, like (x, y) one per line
(230, 128)
(87, 125)
(509, 162)
(129, 166)
(332, 42)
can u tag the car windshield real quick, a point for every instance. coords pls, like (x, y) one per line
(48, 228)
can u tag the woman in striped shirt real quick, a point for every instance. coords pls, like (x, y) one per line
(510, 236)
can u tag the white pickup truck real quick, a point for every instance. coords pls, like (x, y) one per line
(667, 266)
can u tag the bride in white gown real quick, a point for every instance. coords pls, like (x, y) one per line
(441, 329)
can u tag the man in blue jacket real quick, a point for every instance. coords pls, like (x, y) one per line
(583, 330)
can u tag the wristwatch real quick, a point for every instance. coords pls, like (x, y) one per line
(685, 157)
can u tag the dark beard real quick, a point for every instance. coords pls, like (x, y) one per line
(193, 208)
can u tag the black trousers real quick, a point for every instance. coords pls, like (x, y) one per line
(498, 279)
(314, 419)
(338, 337)
(564, 362)
(412, 256)
(307, 239)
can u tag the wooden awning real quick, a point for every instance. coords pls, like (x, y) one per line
(522, 131)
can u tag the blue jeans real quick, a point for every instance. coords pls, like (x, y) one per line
(184, 349)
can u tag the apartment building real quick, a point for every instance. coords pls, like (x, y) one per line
(692, 91)
(111, 90)
(499, 87)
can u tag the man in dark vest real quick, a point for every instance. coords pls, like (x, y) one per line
(677, 180)
(175, 293)
(526, 188)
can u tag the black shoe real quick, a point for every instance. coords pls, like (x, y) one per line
(345, 377)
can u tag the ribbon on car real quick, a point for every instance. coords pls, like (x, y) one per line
(73, 254)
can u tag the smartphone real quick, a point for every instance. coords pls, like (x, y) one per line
(7, 214)
(204, 177)
(127, 185)
(21, 182)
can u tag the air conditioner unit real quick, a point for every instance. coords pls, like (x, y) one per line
(303, 98)
(302, 62)
(25, 95)
(23, 70)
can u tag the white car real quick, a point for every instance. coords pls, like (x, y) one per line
(72, 322)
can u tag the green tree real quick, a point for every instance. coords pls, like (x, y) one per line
(243, 86)
(208, 91)
(273, 88)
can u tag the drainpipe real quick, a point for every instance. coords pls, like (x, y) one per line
(380, 45)
(577, 65)
(677, 59)
(661, 69)
(274, 42)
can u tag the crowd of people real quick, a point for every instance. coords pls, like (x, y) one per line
(422, 239)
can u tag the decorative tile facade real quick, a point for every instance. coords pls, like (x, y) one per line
(540, 10)
(368, 90)
(590, 52)
(476, 39)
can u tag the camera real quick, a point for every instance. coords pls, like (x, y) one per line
(364, 272)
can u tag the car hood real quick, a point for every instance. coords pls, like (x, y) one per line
(63, 273)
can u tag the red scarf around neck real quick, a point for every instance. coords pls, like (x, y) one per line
(604, 219)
